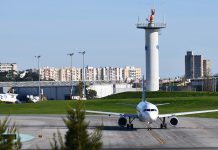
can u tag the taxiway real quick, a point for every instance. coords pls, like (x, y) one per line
(191, 133)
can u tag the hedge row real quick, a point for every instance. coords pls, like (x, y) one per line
(160, 94)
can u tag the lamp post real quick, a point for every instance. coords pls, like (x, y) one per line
(39, 76)
(83, 74)
(214, 84)
(71, 76)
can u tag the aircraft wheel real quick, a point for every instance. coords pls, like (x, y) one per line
(127, 126)
(161, 126)
(165, 126)
(131, 126)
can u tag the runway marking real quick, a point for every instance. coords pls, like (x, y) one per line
(157, 137)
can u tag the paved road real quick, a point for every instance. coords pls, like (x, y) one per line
(191, 133)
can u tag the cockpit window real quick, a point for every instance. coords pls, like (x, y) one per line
(150, 110)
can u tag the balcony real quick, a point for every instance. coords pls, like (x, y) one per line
(150, 25)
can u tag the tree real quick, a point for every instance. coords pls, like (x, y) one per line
(7, 143)
(77, 136)
(91, 94)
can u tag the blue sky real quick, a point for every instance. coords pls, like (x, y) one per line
(106, 30)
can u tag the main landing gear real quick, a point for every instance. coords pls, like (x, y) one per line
(163, 124)
(130, 125)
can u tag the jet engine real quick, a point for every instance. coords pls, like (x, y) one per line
(122, 121)
(174, 121)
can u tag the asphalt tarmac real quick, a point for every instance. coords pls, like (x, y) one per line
(191, 133)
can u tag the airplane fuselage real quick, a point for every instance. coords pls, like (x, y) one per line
(9, 98)
(147, 112)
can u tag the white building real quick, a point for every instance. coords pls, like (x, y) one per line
(131, 73)
(49, 73)
(5, 67)
(91, 74)
(65, 74)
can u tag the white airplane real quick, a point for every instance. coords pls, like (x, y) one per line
(9, 98)
(33, 99)
(148, 113)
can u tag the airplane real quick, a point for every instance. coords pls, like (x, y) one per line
(12, 98)
(9, 98)
(148, 113)
(33, 99)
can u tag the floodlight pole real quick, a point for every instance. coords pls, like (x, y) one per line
(38, 57)
(215, 84)
(71, 74)
(83, 74)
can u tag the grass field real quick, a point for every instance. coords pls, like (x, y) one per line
(177, 104)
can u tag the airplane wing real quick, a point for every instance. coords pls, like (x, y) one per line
(186, 113)
(112, 113)
(162, 104)
(103, 113)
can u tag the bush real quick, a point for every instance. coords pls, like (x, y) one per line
(159, 94)
(8, 142)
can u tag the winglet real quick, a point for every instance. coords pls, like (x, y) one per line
(143, 90)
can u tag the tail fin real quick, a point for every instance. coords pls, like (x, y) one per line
(143, 90)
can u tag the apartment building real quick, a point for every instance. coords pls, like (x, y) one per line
(5, 67)
(49, 73)
(91, 74)
(65, 74)
(206, 67)
(131, 73)
(195, 66)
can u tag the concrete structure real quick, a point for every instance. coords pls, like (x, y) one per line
(152, 51)
(5, 67)
(195, 66)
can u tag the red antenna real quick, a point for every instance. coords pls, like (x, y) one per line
(151, 20)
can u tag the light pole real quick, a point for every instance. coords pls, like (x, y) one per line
(83, 75)
(71, 76)
(39, 75)
(215, 84)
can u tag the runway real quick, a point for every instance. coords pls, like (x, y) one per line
(191, 133)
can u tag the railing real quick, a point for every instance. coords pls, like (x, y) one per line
(152, 25)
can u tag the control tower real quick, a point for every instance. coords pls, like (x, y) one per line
(151, 49)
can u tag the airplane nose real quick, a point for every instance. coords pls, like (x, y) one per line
(153, 117)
